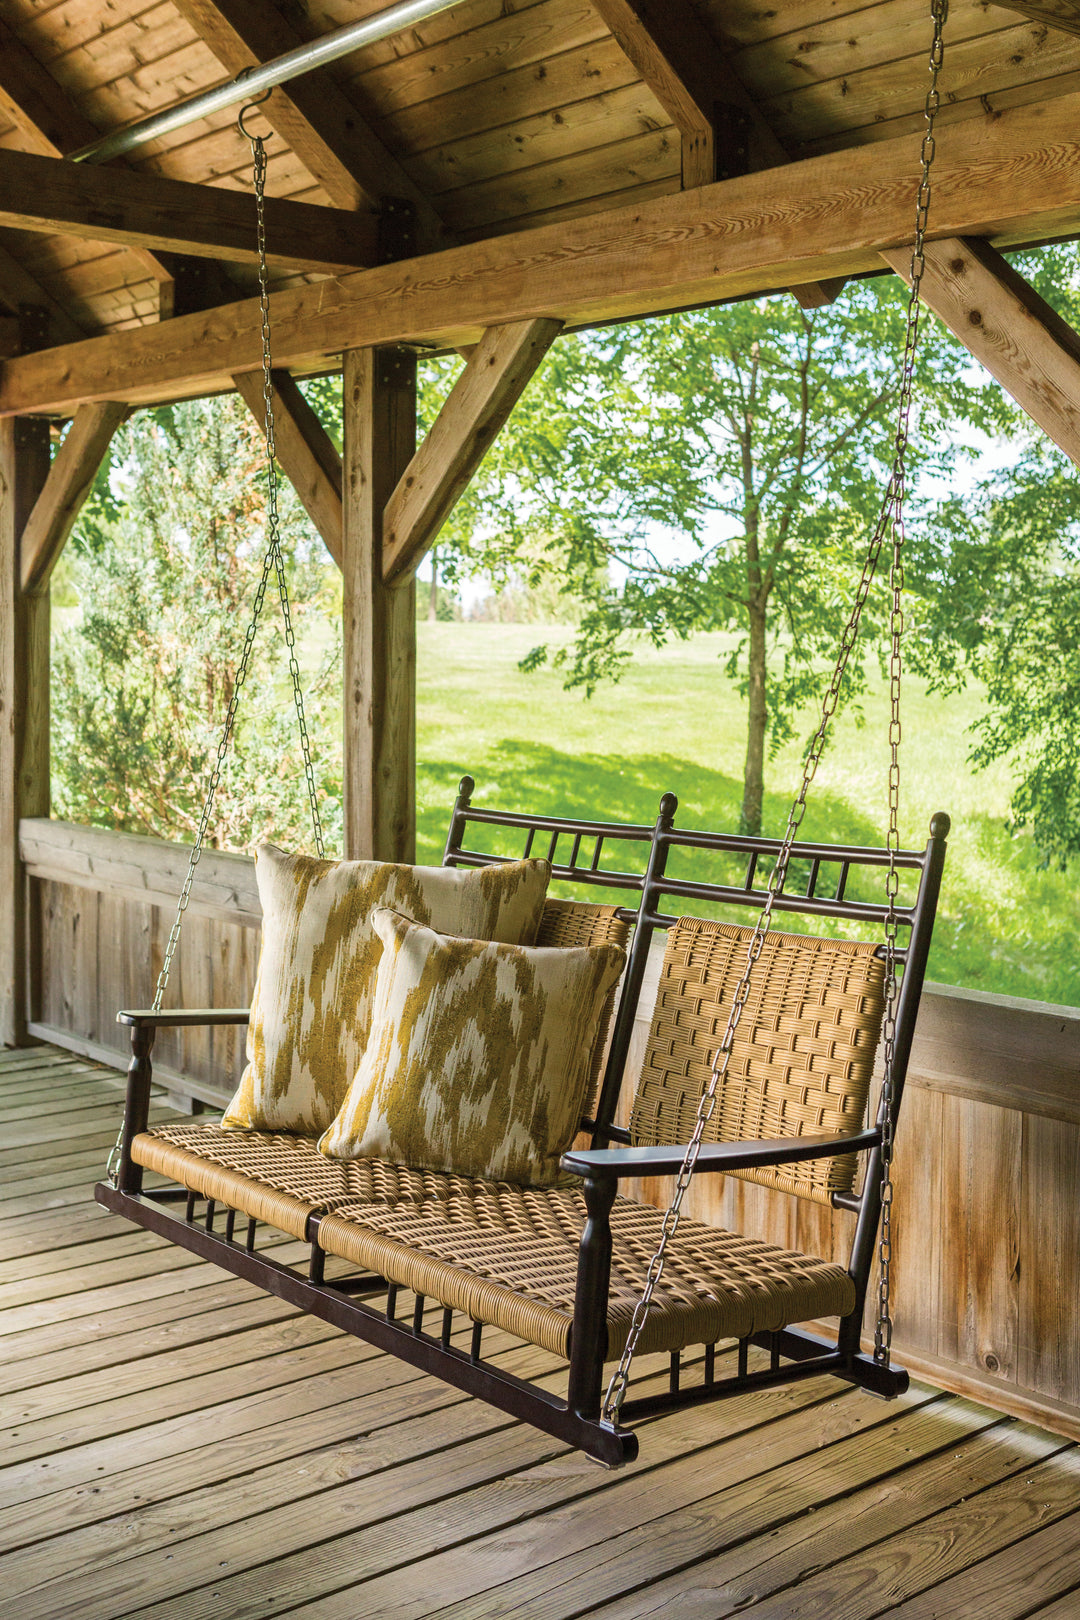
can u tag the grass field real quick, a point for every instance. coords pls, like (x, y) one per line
(675, 723)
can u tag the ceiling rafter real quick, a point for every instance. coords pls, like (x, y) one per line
(18, 286)
(1063, 14)
(122, 205)
(312, 114)
(49, 125)
(722, 130)
(1014, 178)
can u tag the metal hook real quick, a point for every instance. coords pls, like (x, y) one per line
(249, 106)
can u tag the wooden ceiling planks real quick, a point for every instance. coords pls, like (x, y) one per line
(513, 113)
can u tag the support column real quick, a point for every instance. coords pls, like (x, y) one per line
(379, 620)
(24, 712)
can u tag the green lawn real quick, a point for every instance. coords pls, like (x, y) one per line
(675, 723)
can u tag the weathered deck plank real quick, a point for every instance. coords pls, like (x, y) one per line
(176, 1446)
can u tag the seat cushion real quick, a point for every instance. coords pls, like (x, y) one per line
(502, 1254)
(479, 1055)
(313, 995)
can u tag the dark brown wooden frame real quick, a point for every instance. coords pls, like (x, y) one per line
(794, 1353)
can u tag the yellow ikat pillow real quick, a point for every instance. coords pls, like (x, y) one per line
(480, 1054)
(315, 988)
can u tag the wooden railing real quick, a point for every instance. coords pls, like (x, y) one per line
(987, 1246)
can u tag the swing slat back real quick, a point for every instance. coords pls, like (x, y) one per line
(802, 1056)
(810, 1031)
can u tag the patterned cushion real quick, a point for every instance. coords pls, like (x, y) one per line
(316, 982)
(479, 1056)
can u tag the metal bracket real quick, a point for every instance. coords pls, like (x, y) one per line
(33, 328)
(395, 368)
(732, 128)
(396, 231)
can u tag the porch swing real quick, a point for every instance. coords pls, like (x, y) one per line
(758, 1064)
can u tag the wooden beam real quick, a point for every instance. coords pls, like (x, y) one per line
(479, 403)
(18, 286)
(1014, 177)
(1055, 13)
(49, 124)
(379, 621)
(722, 129)
(24, 698)
(688, 73)
(122, 205)
(74, 468)
(305, 451)
(1016, 335)
(312, 114)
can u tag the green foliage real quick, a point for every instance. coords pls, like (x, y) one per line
(998, 575)
(717, 470)
(165, 564)
(1005, 924)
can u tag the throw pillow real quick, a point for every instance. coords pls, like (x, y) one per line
(316, 980)
(480, 1054)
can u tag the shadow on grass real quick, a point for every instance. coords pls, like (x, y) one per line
(517, 775)
(1001, 926)
(535, 777)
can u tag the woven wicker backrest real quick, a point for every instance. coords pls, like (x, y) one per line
(579, 922)
(803, 1052)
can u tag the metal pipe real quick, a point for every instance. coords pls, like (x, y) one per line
(249, 84)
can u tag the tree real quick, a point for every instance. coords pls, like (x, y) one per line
(720, 470)
(164, 566)
(999, 600)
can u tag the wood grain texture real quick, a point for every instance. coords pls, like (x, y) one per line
(305, 451)
(1048, 1359)
(132, 867)
(325, 129)
(18, 286)
(71, 475)
(48, 123)
(1013, 178)
(119, 205)
(1015, 334)
(24, 713)
(495, 377)
(182, 1445)
(1055, 13)
(380, 621)
(688, 74)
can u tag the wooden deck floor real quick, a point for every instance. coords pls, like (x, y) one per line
(177, 1446)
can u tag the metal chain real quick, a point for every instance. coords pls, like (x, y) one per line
(890, 521)
(272, 560)
(258, 156)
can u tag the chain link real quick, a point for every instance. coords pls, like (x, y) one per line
(258, 156)
(273, 562)
(890, 521)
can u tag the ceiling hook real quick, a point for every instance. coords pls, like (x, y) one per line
(249, 106)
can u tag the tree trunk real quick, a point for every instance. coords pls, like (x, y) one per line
(754, 774)
(433, 599)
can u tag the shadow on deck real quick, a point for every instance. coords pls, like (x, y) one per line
(177, 1446)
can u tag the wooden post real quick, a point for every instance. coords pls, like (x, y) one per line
(24, 713)
(379, 620)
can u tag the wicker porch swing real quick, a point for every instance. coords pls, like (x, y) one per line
(758, 1064)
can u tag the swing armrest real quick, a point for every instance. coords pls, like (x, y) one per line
(183, 1017)
(714, 1156)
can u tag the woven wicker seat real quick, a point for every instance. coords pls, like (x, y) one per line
(563, 1267)
(502, 1254)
